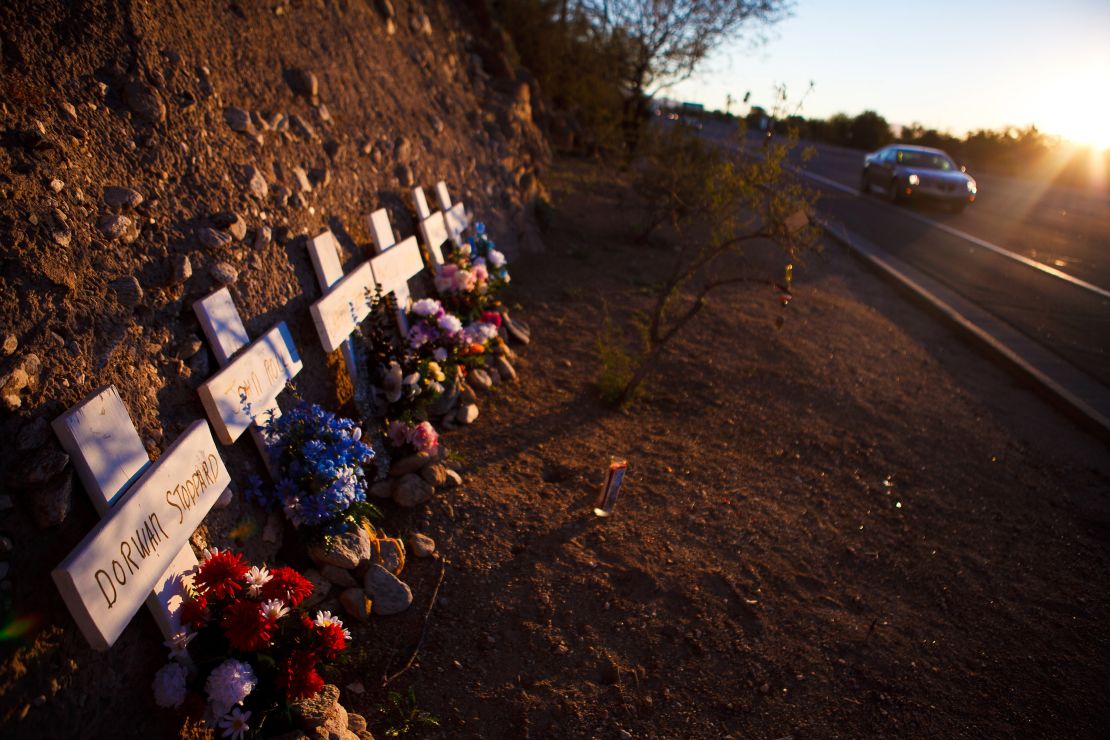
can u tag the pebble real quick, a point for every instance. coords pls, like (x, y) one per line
(302, 127)
(467, 414)
(356, 604)
(339, 576)
(302, 179)
(181, 269)
(421, 545)
(56, 185)
(404, 175)
(385, 7)
(505, 369)
(128, 291)
(50, 502)
(113, 225)
(121, 198)
(213, 238)
(304, 83)
(223, 273)
(518, 330)
(453, 479)
(411, 464)
(70, 110)
(345, 550)
(389, 593)
(144, 101)
(402, 148)
(262, 237)
(411, 490)
(11, 344)
(256, 182)
(434, 474)
(237, 118)
(479, 379)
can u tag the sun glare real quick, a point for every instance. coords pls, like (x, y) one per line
(1076, 107)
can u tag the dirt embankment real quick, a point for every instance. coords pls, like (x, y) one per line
(128, 132)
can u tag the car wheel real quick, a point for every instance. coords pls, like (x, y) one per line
(892, 193)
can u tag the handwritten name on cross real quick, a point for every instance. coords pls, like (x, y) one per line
(243, 394)
(345, 302)
(140, 550)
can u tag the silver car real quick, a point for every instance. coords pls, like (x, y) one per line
(905, 172)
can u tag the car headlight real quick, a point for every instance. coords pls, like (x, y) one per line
(913, 180)
(971, 187)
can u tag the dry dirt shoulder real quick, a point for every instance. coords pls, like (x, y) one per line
(850, 526)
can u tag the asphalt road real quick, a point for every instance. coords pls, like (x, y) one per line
(1066, 230)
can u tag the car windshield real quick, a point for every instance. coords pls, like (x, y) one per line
(924, 160)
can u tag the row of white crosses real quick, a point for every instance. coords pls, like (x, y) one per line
(140, 549)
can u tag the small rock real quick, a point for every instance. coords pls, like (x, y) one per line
(223, 273)
(128, 291)
(404, 175)
(238, 119)
(144, 101)
(257, 183)
(50, 502)
(391, 555)
(262, 237)
(113, 225)
(453, 479)
(56, 185)
(198, 364)
(339, 576)
(479, 379)
(304, 83)
(325, 117)
(302, 127)
(390, 594)
(281, 194)
(421, 545)
(61, 235)
(121, 198)
(517, 329)
(356, 722)
(382, 489)
(434, 474)
(467, 414)
(302, 180)
(238, 228)
(411, 464)
(315, 712)
(402, 149)
(345, 550)
(385, 8)
(321, 176)
(11, 344)
(411, 490)
(320, 588)
(180, 269)
(213, 238)
(356, 604)
(467, 394)
(33, 435)
(226, 496)
(505, 369)
(70, 110)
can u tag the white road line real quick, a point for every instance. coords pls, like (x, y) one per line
(973, 239)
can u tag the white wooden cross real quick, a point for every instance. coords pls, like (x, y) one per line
(454, 215)
(395, 264)
(433, 228)
(345, 302)
(243, 395)
(140, 550)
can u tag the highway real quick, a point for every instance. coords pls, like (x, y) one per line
(1035, 256)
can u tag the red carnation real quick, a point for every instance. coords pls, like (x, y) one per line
(288, 585)
(332, 639)
(194, 612)
(245, 627)
(221, 575)
(491, 317)
(298, 677)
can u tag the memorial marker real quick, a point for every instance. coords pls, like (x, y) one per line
(454, 215)
(432, 228)
(345, 302)
(139, 551)
(243, 395)
(395, 264)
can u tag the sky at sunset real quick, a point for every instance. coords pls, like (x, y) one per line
(949, 65)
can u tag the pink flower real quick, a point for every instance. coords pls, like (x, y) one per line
(399, 433)
(424, 437)
(481, 274)
(445, 278)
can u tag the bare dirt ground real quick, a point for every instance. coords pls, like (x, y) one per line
(852, 526)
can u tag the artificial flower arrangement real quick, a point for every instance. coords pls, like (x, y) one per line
(248, 649)
(321, 463)
(469, 281)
